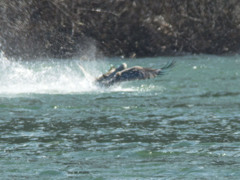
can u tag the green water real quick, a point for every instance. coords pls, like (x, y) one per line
(56, 124)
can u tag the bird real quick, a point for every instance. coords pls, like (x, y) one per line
(122, 73)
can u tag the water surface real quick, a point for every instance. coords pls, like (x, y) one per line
(56, 124)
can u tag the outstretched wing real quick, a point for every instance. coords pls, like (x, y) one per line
(170, 64)
(139, 73)
(135, 73)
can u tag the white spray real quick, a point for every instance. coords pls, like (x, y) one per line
(47, 76)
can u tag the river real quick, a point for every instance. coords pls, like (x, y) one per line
(56, 124)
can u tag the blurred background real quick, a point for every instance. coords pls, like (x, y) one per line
(67, 28)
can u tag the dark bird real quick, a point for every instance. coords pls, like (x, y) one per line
(122, 73)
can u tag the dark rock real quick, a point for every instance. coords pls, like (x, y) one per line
(67, 28)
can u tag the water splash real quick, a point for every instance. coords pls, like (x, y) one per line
(56, 77)
(52, 76)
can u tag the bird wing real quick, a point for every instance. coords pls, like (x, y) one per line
(137, 73)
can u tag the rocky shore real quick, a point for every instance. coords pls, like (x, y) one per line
(137, 28)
